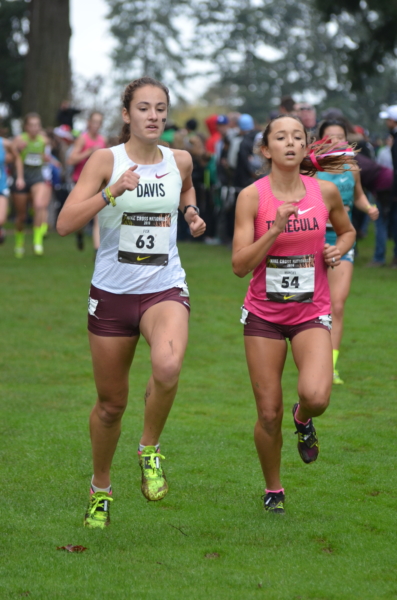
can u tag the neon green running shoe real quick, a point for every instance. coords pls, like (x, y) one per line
(154, 484)
(19, 251)
(337, 380)
(97, 515)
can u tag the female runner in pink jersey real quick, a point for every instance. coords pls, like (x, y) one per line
(279, 235)
(89, 141)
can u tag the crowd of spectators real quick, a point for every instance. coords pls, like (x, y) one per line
(225, 160)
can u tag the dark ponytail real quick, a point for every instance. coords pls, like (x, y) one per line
(323, 155)
(125, 133)
(128, 96)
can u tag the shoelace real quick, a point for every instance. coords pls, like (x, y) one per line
(273, 497)
(152, 460)
(308, 439)
(96, 499)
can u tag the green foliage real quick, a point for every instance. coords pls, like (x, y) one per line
(263, 50)
(210, 537)
(14, 26)
(148, 39)
(372, 27)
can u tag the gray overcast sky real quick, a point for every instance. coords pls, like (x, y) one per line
(91, 43)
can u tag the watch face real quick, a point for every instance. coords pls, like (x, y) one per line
(196, 208)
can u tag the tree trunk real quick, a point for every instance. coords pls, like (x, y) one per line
(47, 71)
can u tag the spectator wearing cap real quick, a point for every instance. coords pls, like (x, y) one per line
(390, 115)
(286, 106)
(215, 136)
(307, 114)
(66, 113)
(245, 172)
(194, 143)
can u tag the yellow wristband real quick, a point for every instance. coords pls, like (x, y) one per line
(110, 197)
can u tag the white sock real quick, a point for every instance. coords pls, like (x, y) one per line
(97, 489)
(141, 447)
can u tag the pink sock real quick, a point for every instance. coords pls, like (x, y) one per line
(280, 491)
(300, 422)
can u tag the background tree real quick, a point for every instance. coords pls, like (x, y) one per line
(14, 26)
(47, 67)
(371, 26)
(149, 40)
(262, 50)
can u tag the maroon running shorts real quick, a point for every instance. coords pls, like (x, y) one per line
(119, 315)
(255, 326)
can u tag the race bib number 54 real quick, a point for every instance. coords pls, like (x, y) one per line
(290, 278)
(145, 239)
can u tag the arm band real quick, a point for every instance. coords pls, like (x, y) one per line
(110, 197)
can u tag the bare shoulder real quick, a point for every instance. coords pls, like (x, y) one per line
(247, 201)
(329, 191)
(99, 166)
(183, 159)
(103, 155)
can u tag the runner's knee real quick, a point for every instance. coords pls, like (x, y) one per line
(270, 418)
(111, 407)
(110, 412)
(166, 372)
(316, 400)
(337, 308)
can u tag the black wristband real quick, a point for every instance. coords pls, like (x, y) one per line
(196, 208)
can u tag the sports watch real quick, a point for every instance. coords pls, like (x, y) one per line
(196, 208)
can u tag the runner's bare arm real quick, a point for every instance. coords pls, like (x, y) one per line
(20, 183)
(77, 154)
(340, 222)
(360, 199)
(85, 200)
(188, 194)
(247, 254)
(19, 143)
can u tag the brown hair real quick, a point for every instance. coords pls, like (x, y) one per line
(95, 112)
(28, 116)
(320, 161)
(128, 96)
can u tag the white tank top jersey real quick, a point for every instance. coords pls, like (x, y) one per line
(138, 252)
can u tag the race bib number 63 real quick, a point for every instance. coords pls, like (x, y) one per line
(145, 239)
(290, 278)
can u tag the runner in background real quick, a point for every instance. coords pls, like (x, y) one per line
(348, 182)
(31, 146)
(84, 147)
(8, 154)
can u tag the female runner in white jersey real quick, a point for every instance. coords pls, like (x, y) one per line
(279, 235)
(138, 285)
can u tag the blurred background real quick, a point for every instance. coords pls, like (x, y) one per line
(230, 66)
(214, 54)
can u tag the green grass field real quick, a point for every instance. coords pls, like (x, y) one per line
(210, 538)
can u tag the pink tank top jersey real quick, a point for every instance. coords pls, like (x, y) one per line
(99, 142)
(290, 285)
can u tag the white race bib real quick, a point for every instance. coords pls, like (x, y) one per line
(145, 239)
(33, 160)
(290, 278)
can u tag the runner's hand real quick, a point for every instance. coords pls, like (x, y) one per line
(373, 212)
(330, 253)
(283, 214)
(128, 181)
(20, 183)
(197, 226)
